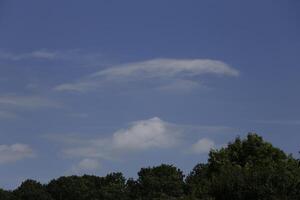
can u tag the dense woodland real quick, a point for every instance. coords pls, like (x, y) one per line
(246, 169)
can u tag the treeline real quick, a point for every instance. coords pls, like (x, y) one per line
(248, 169)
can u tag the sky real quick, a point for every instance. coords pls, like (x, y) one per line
(101, 86)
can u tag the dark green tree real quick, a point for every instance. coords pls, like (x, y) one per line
(6, 195)
(87, 187)
(31, 190)
(161, 182)
(246, 169)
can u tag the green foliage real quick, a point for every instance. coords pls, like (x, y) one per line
(31, 190)
(111, 187)
(248, 169)
(5, 195)
(161, 182)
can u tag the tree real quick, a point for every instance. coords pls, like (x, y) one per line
(31, 190)
(110, 187)
(68, 188)
(161, 182)
(6, 195)
(113, 187)
(246, 169)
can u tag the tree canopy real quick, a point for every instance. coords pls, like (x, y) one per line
(246, 169)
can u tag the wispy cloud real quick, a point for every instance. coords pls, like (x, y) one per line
(15, 152)
(7, 115)
(27, 101)
(168, 68)
(70, 57)
(39, 54)
(279, 122)
(178, 72)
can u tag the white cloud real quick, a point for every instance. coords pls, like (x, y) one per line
(203, 145)
(86, 165)
(174, 70)
(168, 68)
(81, 86)
(139, 136)
(152, 133)
(43, 54)
(15, 152)
(27, 101)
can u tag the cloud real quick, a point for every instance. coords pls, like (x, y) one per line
(39, 54)
(27, 101)
(81, 86)
(139, 138)
(168, 68)
(70, 56)
(178, 72)
(7, 115)
(279, 122)
(203, 145)
(141, 135)
(15, 152)
(152, 133)
(86, 165)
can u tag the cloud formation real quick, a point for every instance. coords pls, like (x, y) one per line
(139, 136)
(176, 71)
(15, 152)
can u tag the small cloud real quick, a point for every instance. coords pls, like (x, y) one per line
(203, 145)
(39, 54)
(145, 134)
(43, 54)
(7, 115)
(15, 152)
(86, 165)
(74, 56)
(27, 101)
(81, 86)
(279, 122)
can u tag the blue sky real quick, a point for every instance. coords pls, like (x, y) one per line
(101, 86)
